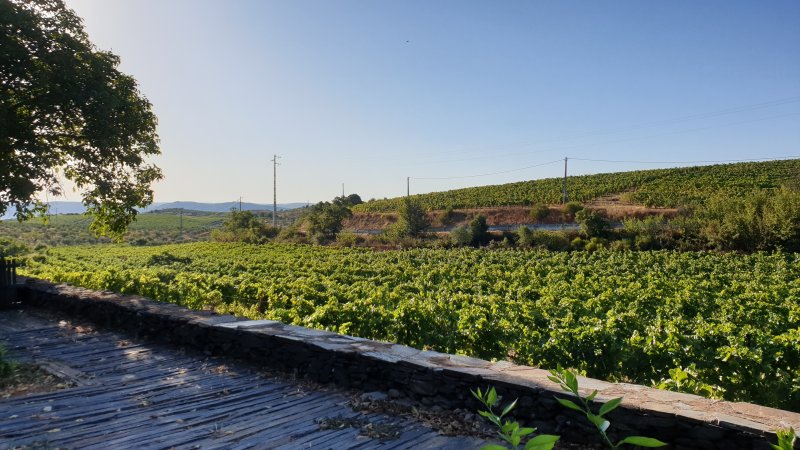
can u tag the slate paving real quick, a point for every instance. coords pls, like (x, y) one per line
(138, 394)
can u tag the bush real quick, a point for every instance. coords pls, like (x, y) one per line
(595, 244)
(447, 217)
(413, 220)
(326, 219)
(348, 239)
(12, 248)
(539, 212)
(570, 209)
(551, 240)
(461, 236)
(244, 226)
(592, 223)
(479, 230)
(525, 237)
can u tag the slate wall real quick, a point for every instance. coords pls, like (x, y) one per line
(685, 421)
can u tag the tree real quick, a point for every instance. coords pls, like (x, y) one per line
(66, 111)
(413, 220)
(244, 226)
(592, 223)
(479, 230)
(325, 219)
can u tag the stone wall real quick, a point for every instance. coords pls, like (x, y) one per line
(685, 421)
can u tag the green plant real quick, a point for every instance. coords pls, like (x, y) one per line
(479, 230)
(539, 212)
(6, 366)
(685, 380)
(509, 430)
(569, 382)
(786, 439)
(570, 209)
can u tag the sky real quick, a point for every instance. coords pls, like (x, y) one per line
(368, 93)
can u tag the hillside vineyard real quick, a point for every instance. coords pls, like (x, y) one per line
(726, 321)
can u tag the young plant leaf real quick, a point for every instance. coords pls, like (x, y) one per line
(493, 447)
(569, 404)
(508, 408)
(610, 406)
(591, 396)
(642, 441)
(491, 397)
(542, 442)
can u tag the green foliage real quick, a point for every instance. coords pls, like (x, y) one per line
(761, 221)
(539, 212)
(460, 236)
(569, 382)
(148, 229)
(571, 209)
(68, 112)
(685, 380)
(631, 316)
(509, 430)
(11, 247)
(447, 217)
(786, 439)
(551, 240)
(6, 366)
(325, 219)
(244, 226)
(592, 224)
(686, 186)
(479, 230)
(413, 220)
(525, 237)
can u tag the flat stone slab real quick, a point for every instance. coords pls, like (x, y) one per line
(149, 396)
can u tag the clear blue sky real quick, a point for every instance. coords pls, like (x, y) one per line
(367, 93)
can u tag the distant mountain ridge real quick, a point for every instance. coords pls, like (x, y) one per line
(62, 207)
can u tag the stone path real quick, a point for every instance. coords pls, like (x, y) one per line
(137, 394)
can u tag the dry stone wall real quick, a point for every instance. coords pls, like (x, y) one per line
(685, 421)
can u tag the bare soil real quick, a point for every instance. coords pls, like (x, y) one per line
(613, 207)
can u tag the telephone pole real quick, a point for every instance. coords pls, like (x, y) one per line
(274, 189)
(342, 190)
(565, 198)
(240, 203)
(408, 186)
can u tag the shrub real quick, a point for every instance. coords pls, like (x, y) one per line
(551, 240)
(461, 236)
(413, 220)
(525, 237)
(326, 219)
(447, 217)
(592, 223)
(570, 209)
(479, 230)
(539, 212)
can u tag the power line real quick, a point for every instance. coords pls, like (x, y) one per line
(486, 174)
(652, 124)
(720, 161)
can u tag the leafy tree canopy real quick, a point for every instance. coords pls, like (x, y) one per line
(66, 111)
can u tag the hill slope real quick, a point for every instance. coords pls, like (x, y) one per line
(683, 186)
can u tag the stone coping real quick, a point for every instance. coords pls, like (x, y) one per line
(686, 421)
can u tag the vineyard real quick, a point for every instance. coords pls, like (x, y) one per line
(659, 187)
(730, 322)
(149, 228)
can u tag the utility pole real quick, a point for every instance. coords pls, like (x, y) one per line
(408, 186)
(566, 198)
(342, 190)
(275, 189)
(240, 203)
